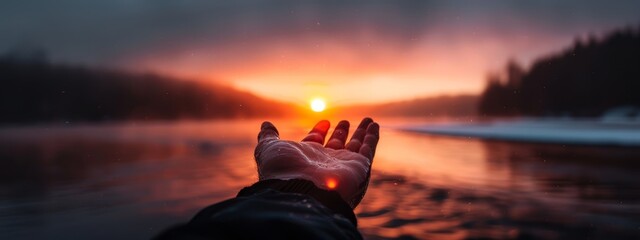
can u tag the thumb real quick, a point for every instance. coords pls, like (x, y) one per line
(267, 132)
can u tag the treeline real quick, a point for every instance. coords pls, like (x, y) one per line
(451, 106)
(587, 79)
(36, 91)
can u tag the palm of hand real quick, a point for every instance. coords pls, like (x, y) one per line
(335, 166)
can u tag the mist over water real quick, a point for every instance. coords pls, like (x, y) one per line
(131, 181)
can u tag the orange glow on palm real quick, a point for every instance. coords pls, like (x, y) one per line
(332, 183)
(318, 105)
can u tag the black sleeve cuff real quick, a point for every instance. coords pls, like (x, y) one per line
(330, 199)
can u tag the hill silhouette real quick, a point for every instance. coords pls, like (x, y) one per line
(37, 91)
(447, 106)
(585, 80)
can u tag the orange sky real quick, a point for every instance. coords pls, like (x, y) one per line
(345, 51)
(358, 70)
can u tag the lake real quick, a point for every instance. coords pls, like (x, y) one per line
(132, 180)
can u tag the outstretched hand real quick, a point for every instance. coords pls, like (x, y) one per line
(338, 165)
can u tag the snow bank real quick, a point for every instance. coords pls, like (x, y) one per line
(584, 132)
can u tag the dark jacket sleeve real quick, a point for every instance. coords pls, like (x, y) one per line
(273, 209)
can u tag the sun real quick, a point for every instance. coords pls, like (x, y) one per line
(318, 105)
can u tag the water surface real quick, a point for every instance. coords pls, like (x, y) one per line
(130, 181)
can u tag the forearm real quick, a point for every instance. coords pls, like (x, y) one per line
(273, 209)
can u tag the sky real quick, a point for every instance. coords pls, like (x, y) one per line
(346, 52)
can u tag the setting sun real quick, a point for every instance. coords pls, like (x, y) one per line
(318, 105)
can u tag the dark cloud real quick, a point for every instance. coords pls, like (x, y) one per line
(102, 32)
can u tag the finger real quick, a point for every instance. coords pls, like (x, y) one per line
(358, 135)
(368, 148)
(339, 135)
(318, 133)
(268, 131)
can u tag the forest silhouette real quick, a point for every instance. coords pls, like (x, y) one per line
(585, 80)
(36, 91)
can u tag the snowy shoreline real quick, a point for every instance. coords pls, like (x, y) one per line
(559, 131)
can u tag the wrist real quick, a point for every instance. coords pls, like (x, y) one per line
(332, 181)
(330, 199)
